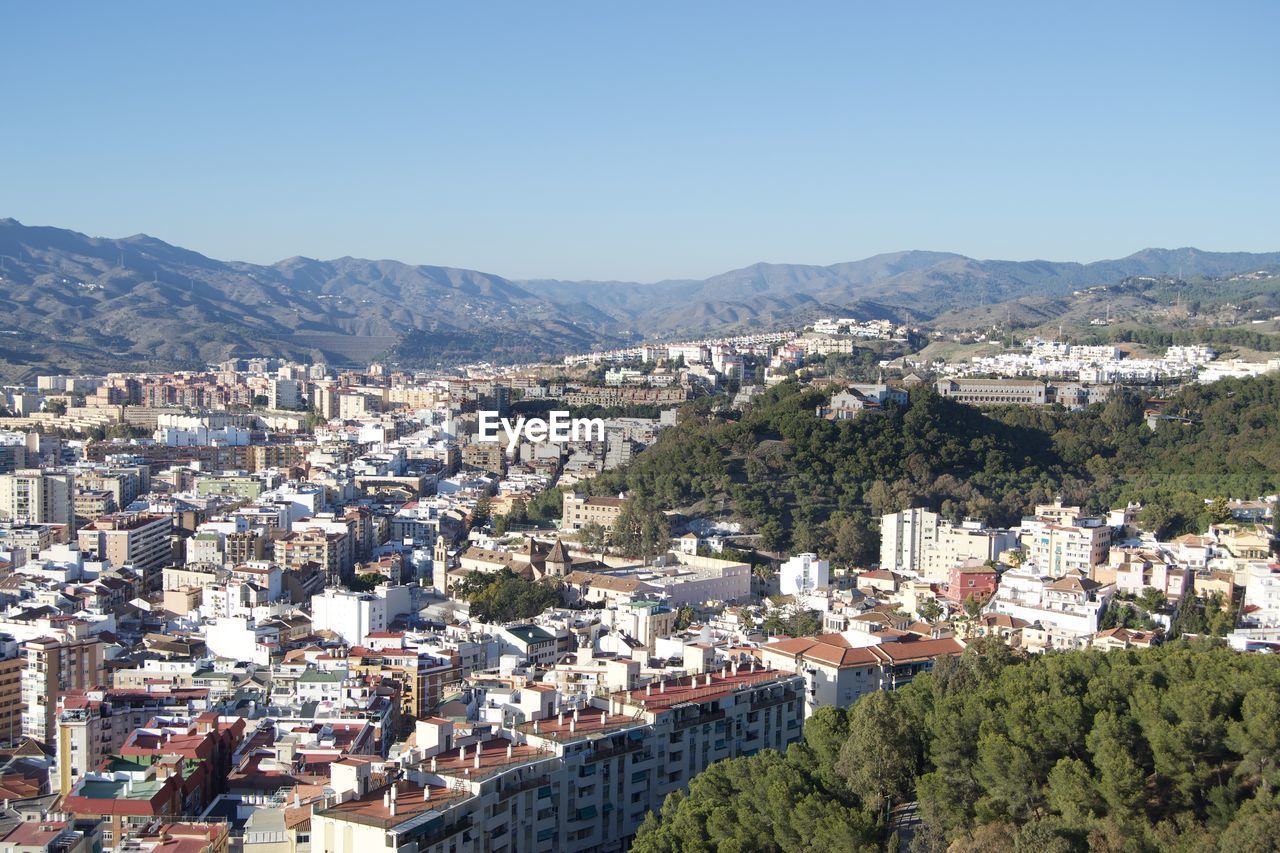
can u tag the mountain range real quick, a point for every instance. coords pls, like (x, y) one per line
(72, 302)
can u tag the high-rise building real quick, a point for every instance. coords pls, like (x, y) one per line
(33, 496)
(55, 666)
(12, 662)
(138, 539)
(904, 537)
(284, 394)
(575, 780)
(804, 573)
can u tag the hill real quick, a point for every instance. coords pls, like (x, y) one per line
(79, 302)
(808, 484)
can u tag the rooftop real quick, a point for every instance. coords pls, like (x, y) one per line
(493, 758)
(411, 802)
(677, 691)
(591, 722)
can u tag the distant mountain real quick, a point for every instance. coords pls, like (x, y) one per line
(85, 303)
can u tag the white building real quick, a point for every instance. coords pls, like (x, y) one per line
(803, 574)
(1069, 608)
(1262, 596)
(904, 537)
(354, 615)
(955, 544)
(572, 779)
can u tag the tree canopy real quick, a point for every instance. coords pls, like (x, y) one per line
(504, 596)
(1174, 748)
(806, 483)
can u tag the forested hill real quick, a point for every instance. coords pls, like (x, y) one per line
(810, 484)
(1175, 750)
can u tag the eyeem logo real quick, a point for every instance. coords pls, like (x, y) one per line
(558, 428)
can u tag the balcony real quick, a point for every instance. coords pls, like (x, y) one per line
(699, 719)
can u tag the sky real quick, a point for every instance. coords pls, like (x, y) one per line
(642, 141)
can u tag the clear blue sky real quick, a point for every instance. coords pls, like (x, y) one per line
(645, 140)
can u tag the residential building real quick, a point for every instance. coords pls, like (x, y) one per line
(330, 550)
(137, 539)
(13, 660)
(355, 615)
(971, 580)
(1059, 540)
(994, 392)
(578, 780)
(1067, 609)
(285, 394)
(955, 544)
(904, 538)
(52, 667)
(803, 574)
(838, 671)
(35, 496)
(1262, 596)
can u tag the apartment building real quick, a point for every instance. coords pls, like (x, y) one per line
(1074, 544)
(285, 394)
(12, 662)
(803, 574)
(573, 780)
(606, 396)
(955, 544)
(994, 392)
(53, 667)
(34, 496)
(904, 538)
(138, 539)
(329, 550)
(422, 676)
(1067, 609)
(355, 615)
(838, 672)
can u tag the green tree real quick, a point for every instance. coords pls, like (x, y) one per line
(547, 506)
(1151, 599)
(773, 536)
(519, 512)
(55, 407)
(505, 596)
(807, 623)
(593, 537)
(366, 581)
(878, 761)
(930, 610)
(482, 512)
(639, 531)
(1219, 511)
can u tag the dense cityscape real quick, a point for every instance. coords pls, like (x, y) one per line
(720, 427)
(272, 605)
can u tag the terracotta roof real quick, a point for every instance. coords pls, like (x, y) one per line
(559, 553)
(1072, 583)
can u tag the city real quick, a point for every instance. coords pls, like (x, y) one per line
(639, 428)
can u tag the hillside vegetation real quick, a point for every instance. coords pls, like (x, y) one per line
(806, 483)
(1174, 749)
